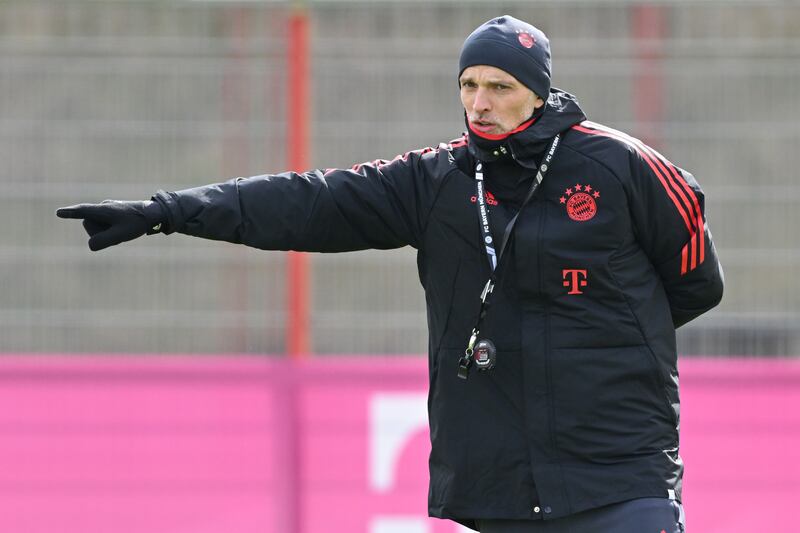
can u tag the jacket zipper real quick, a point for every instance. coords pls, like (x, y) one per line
(546, 311)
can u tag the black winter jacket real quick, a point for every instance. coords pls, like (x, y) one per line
(611, 255)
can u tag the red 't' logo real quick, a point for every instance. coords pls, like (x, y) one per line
(576, 279)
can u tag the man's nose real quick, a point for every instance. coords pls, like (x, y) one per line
(482, 102)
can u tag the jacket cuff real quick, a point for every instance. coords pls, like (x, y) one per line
(169, 212)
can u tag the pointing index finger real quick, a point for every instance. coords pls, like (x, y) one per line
(75, 211)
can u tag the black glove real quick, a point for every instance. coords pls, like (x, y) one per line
(113, 222)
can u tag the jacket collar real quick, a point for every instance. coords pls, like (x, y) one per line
(526, 144)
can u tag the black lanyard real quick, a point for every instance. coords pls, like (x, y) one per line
(494, 258)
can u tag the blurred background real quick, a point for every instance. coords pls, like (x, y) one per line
(118, 98)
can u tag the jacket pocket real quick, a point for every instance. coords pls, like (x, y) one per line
(608, 404)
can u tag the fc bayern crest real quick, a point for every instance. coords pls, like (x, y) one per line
(581, 202)
(526, 39)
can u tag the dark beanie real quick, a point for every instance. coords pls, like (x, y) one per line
(511, 45)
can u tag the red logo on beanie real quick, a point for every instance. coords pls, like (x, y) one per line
(526, 39)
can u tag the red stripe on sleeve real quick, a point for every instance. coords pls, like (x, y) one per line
(669, 171)
(702, 232)
(458, 143)
(689, 223)
(684, 253)
(696, 213)
(673, 183)
(679, 179)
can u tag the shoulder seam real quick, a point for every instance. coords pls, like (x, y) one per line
(598, 161)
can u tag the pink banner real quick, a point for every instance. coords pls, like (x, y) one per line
(176, 444)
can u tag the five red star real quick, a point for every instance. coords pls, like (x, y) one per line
(587, 188)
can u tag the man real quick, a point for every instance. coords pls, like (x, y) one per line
(555, 409)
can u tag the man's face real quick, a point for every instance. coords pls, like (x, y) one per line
(495, 101)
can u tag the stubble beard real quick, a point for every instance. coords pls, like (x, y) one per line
(503, 128)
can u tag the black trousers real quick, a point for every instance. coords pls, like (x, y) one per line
(643, 515)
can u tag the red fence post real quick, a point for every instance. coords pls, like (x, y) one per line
(649, 31)
(297, 341)
(235, 110)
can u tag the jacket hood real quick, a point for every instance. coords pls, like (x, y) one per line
(560, 112)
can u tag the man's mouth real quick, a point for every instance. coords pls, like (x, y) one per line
(483, 126)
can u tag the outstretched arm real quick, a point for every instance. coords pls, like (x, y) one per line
(383, 204)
